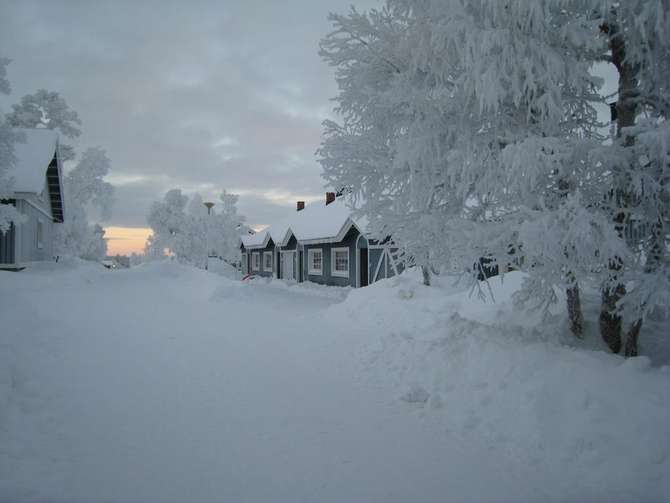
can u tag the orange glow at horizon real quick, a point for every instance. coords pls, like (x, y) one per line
(126, 240)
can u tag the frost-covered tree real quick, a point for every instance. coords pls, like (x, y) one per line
(638, 40)
(49, 110)
(8, 212)
(195, 235)
(85, 183)
(84, 188)
(167, 221)
(192, 232)
(229, 225)
(468, 130)
(463, 129)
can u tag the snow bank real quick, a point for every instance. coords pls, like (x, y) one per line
(489, 373)
(222, 268)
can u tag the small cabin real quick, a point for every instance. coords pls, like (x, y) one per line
(258, 251)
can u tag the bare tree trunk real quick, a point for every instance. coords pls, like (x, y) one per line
(426, 275)
(631, 339)
(575, 311)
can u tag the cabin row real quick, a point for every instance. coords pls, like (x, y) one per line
(321, 243)
(37, 193)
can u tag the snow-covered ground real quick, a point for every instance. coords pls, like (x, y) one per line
(168, 384)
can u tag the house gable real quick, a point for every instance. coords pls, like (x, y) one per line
(37, 162)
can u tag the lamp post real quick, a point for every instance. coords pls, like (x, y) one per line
(209, 206)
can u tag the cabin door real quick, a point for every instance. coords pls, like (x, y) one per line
(287, 265)
(363, 266)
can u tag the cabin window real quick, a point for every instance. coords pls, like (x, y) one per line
(315, 261)
(267, 261)
(40, 233)
(339, 262)
(256, 261)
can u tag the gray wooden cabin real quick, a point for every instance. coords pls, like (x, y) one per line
(37, 193)
(323, 244)
(258, 255)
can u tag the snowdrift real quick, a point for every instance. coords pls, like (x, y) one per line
(487, 372)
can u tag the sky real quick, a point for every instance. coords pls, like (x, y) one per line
(199, 95)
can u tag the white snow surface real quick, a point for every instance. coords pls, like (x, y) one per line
(163, 383)
(32, 159)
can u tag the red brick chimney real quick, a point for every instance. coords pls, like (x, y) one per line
(300, 205)
(330, 197)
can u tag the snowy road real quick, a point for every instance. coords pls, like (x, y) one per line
(168, 385)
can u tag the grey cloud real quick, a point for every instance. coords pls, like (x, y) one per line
(160, 84)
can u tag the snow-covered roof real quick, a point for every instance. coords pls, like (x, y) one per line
(258, 240)
(32, 159)
(319, 221)
(316, 222)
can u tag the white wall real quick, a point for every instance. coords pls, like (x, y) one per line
(36, 209)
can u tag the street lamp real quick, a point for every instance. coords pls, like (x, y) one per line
(209, 206)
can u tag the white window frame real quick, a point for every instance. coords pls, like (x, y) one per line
(39, 234)
(333, 272)
(310, 261)
(256, 261)
(265, 265)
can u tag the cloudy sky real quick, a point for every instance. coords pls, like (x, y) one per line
(199, 95)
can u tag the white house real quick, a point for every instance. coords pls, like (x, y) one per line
(38, 195)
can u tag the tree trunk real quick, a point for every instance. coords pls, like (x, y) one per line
(654, 258)
(426, 275)
(631, 339)
(626, 108)
(610, 320)
(575, 311)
